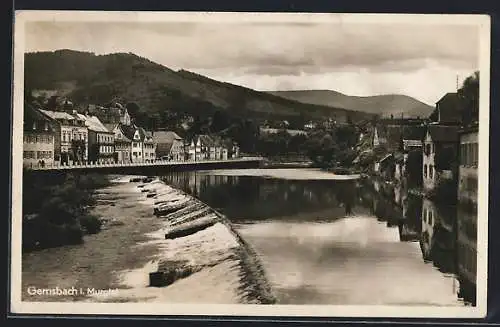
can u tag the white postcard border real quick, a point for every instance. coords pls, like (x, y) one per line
(18, 306)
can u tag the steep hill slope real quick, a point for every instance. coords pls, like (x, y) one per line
(384, 105)
(89, 78)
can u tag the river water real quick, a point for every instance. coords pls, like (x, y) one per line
(327, 241)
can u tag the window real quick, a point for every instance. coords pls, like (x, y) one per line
(29, 155)
(427, 149)
(430, 217)
(425, 215)
(425, 171)
(46, 126)
(34, 125)
(431, 171)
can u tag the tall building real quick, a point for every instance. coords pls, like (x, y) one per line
(38, 138)
(101, 145)
(71, 138)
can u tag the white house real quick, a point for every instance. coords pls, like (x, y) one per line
(439, 151)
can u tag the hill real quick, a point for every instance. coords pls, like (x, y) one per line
(384, 105)
(88, 78)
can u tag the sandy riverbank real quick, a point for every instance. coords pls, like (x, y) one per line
(218, 266)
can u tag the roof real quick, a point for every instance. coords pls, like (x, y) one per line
(413, 132)
(165, 137)
(127, 130)
(386, 157)
(57, 115)
(440, 133)
(450, 96)
(94, 124)
(110, 127)
(207, 140)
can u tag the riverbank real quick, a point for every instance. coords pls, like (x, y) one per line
(215, 264)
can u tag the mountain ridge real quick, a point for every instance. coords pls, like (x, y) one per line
(383, 104)
(90, 78)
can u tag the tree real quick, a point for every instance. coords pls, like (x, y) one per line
(220, 121)
(469, 97)
(133, 109)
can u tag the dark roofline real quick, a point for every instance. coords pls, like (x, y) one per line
(455, 94)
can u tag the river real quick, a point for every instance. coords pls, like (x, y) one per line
(327, 241)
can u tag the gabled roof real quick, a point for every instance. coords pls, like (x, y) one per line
(57, 115)
(440, 133)
(206, 140)
(165, 137)
(110, 127)
(127, 130)
(94, 124)
(450, 96)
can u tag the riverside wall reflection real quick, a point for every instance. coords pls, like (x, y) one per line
(446, 234)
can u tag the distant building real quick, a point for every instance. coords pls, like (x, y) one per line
(206, 147)
(292, 132)
(169, 145)
(440, 149)
(115, 113)
(101, 143)
(38, 138)
(71, 139)
(310, 125)
(388, 136)
(412, 142)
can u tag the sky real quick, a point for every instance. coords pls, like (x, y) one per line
(418, 60)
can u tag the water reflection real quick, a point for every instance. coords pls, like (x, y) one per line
(322, 223)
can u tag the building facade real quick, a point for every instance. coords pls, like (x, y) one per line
(71, 139)
(440, 148)
(467, 171)
(123, 145)
(142, 145)
(38, 139)
(101, 145)
(169, 145)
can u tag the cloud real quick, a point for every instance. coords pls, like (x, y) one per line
(278, 54)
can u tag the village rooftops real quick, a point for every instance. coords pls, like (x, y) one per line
(59, 115)
(413, 132)
(127, 130)
(166, 137)
(443, 134)
(94, 124)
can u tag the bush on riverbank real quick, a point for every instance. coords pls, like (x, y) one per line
(56, 209)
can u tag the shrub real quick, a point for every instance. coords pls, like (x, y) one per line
(90, 224)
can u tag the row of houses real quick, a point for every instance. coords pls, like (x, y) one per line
(443, 150)
(428, 153)
(101, 135)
